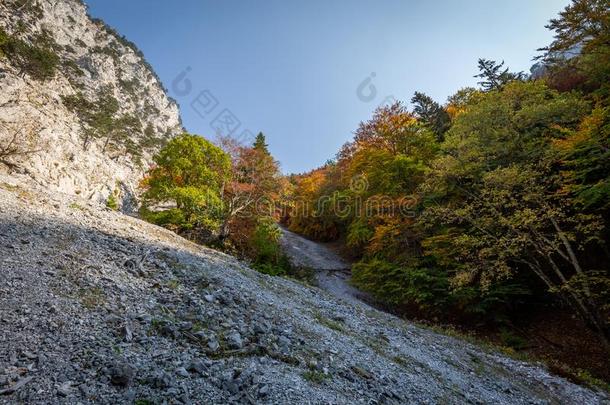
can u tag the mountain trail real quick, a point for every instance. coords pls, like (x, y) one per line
(331, 271)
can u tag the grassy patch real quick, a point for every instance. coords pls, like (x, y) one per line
(362, 372)
(478, 366)
(577, 376)
(92, 297)
(9, 187)
(376, 345)
(316, 377)
(374, 314)
(112, 202)
(21, 192)
(76, 206)
(401, 361)
(173, 284)
(329, 323)
(306, 275)
(587, 379)
(511, 340)
(199, 326)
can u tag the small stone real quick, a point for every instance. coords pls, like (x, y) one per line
(181, 371)
(65, 389)
(312, 364)
(121, 374)
(85, 390)
(208, 298)
(130, 265)
(30, 355)
(263, 391)
(201, 334)
(261, 327)
(283, 341)
(198, 366)
(52, 309)
(213, 345)
(126, 333)
(169, 329)
(231, 386)
(114, 319)
(186, 326)
(226, 300)
(144, 318)
(16, 386)
(161, 379)
(338, 318)
(235, 341)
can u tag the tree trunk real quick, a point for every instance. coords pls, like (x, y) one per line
(223, 233)
(572, 255)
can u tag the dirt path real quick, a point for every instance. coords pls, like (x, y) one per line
(332, 271)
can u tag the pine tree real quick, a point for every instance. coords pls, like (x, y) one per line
(431, 113)
(494, 76)
(260, 144)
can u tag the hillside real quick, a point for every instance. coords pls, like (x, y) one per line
(97, 306)
(80, 108)
(111, 309)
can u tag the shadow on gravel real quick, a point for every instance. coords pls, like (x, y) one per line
(97, 310)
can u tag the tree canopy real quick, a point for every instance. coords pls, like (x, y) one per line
(497, 197)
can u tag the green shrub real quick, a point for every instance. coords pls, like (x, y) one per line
(270, 269)
(426, 288)
(269, 258)
(190, 173)
(129, 86)
(4, 40)
(511, 340)
(359, 234)
(29, 7)
(266, 241)
(112, 202)
(165, 218)
(72, 68)
(38, 62)
(104, 121)
(316, 377)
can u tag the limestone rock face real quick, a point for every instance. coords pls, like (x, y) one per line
(56, 127)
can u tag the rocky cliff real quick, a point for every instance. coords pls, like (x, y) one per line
(81, 111)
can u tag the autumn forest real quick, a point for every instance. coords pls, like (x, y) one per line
(488, 214)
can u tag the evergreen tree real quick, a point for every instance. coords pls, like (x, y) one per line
(260, 143)
(493, 76)
(431, 113)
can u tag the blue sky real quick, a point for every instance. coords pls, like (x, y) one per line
(298, 70)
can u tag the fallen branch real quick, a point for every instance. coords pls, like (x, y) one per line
(16, 386)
